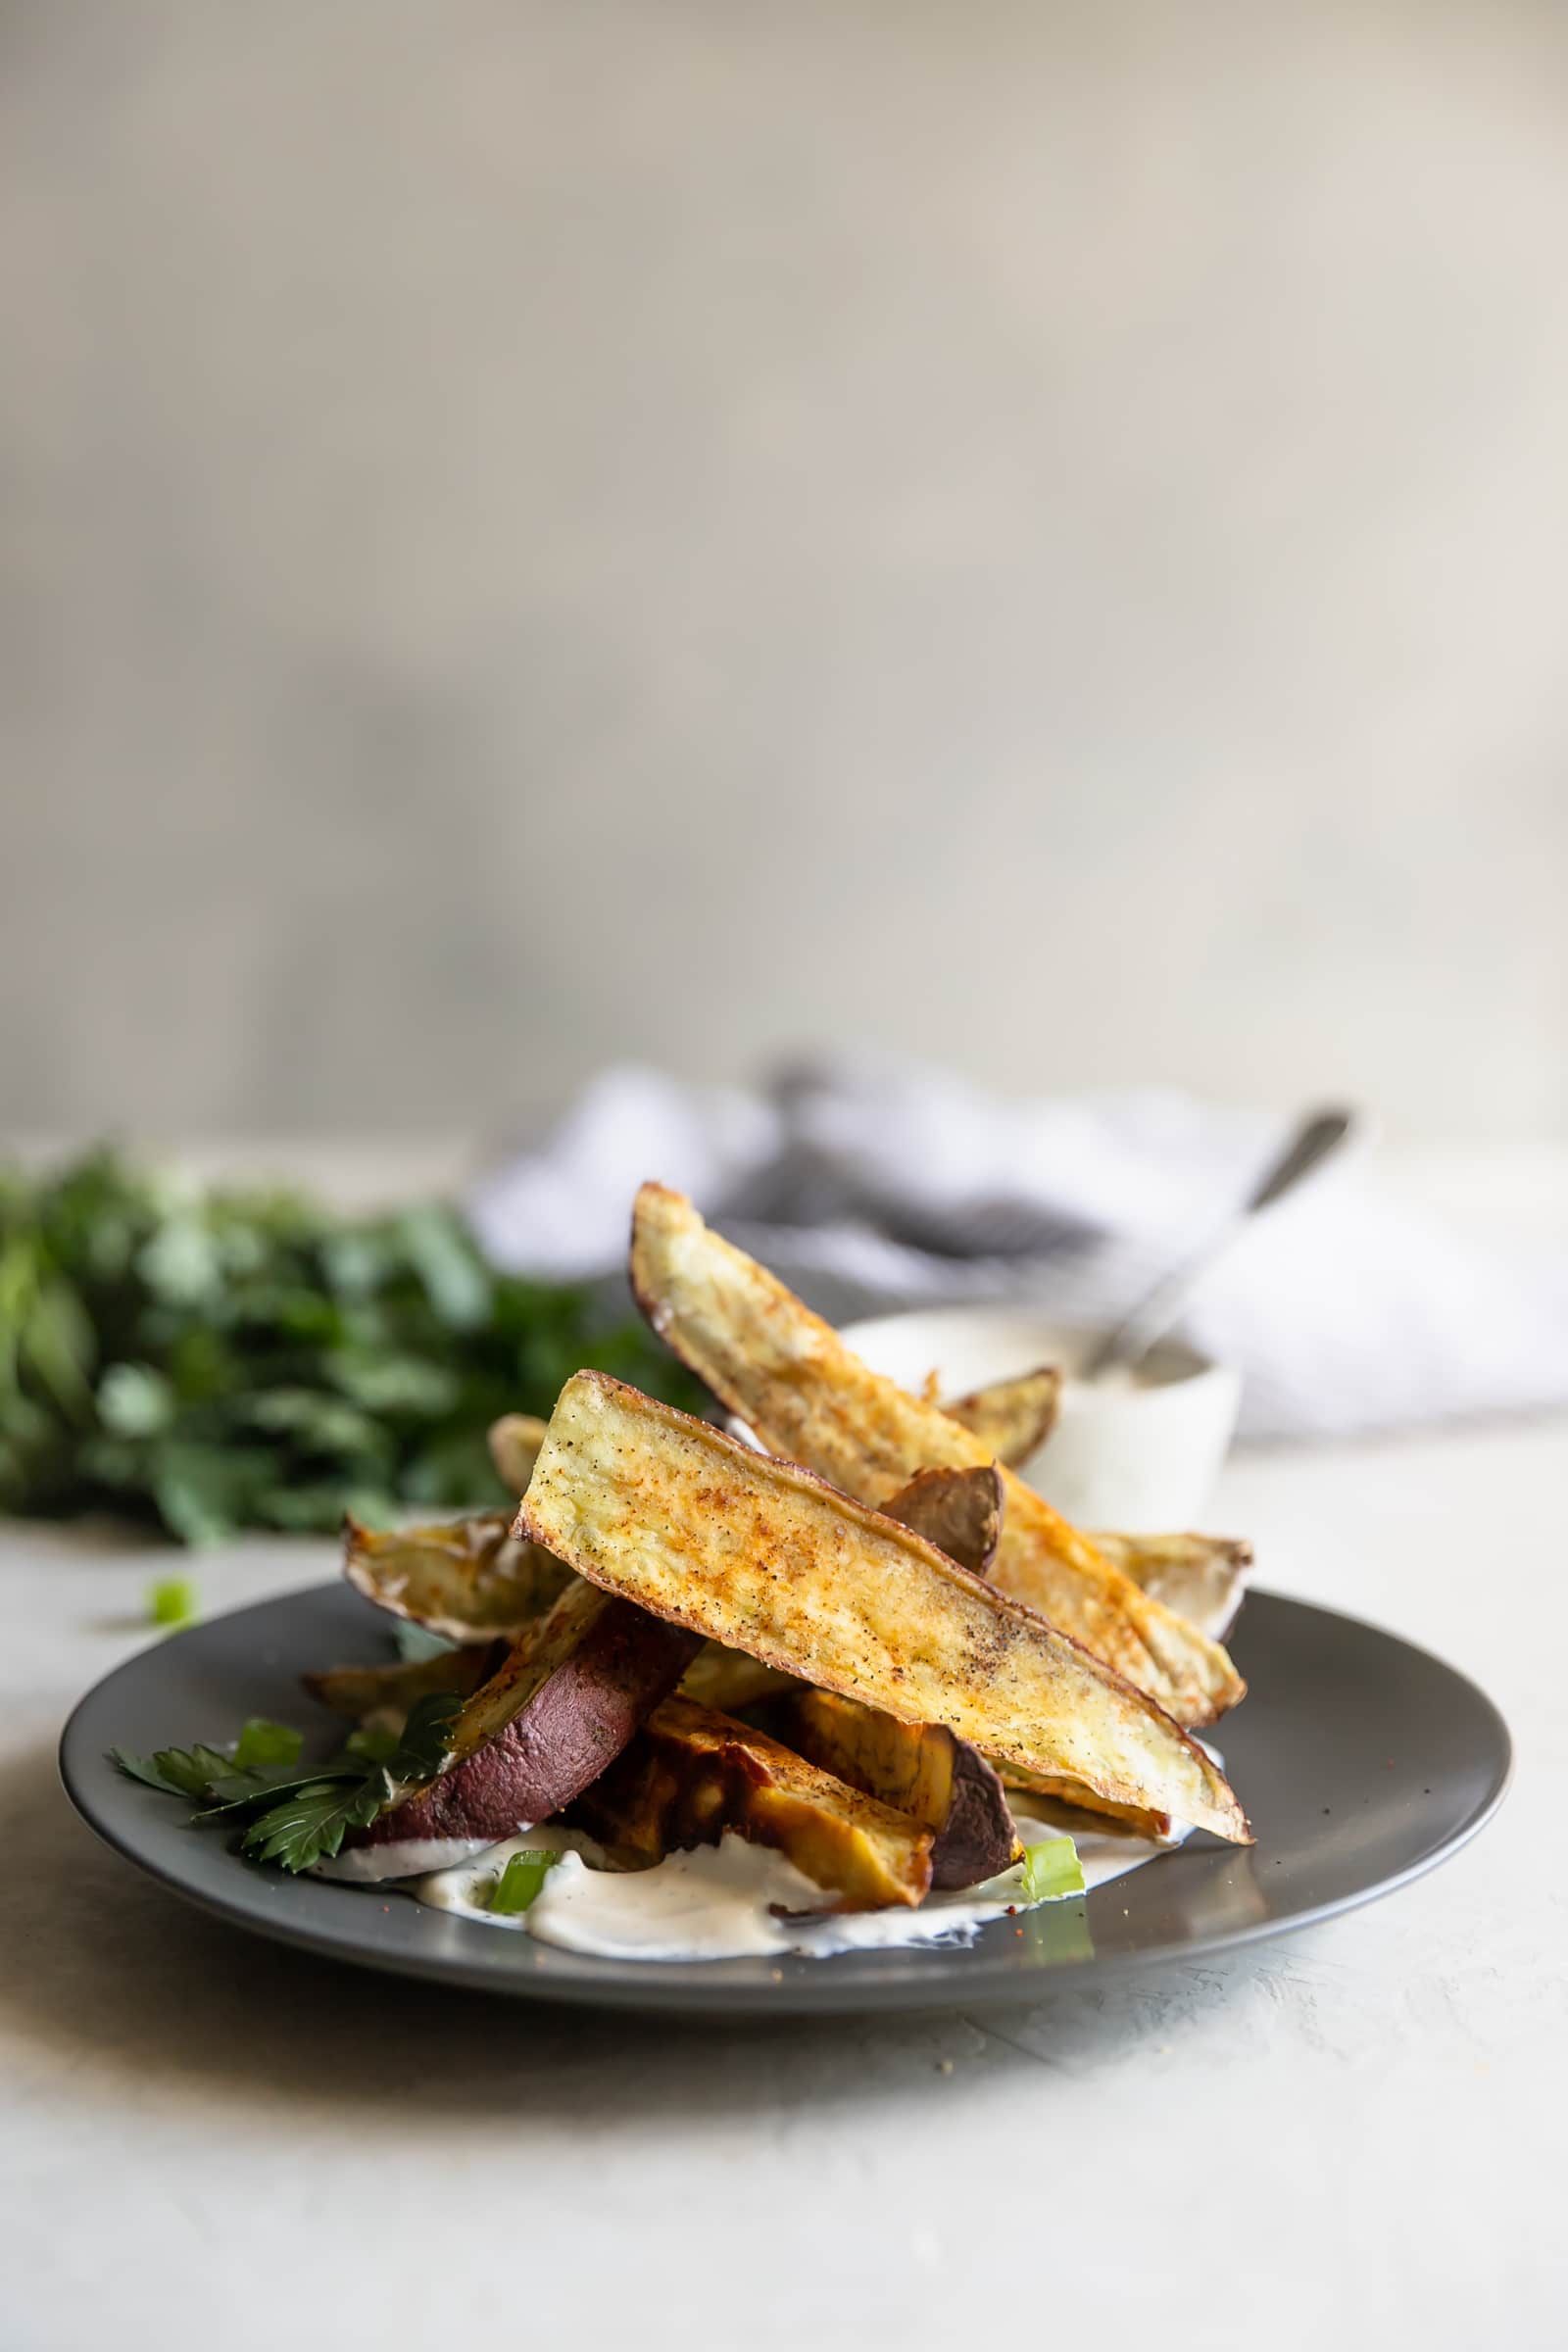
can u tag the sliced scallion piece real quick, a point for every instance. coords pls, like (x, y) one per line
(519, 1882)
(172, 1601)
(1051, 1869)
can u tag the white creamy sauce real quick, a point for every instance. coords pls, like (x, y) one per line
(402, 1858)
(725, 1902)
(466, 1885)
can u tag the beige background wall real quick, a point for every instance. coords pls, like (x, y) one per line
(533, 533)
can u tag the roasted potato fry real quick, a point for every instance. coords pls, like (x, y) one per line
(716, 1678)
(460, 1577)
(467, 1578)
(1069, 1805)
(922, 1769)
(514, 1442)
(758, 1553)
(792, 1379)
(1013, 1418)
(1202, 1578)
(727, 1679)
(691, 1774)
(959, 1511)
(561, 1706)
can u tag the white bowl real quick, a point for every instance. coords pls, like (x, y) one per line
(1140, 1457)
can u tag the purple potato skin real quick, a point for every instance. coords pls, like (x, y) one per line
(959, 1511)
(576, 1724)
(975, 1842)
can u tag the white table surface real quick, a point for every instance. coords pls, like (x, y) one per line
(1351, 2135)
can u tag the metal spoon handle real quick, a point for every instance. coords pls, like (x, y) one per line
(1313, 1140)
(1319, 1134)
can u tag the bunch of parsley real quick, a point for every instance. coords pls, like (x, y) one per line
(211, 1361)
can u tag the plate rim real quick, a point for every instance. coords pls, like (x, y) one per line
(658, 1989)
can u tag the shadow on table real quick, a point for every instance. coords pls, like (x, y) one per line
(109, 1968)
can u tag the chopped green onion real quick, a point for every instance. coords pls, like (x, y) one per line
(521, 1881)
(262, 1743)
(1051, 1869)
(172, 1601)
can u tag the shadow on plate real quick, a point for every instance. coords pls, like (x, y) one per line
(111, 1967)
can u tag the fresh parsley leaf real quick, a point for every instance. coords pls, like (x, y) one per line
(193, 1771)
(134, 1400)
(211, 1360)
(521, 1881)
(371, 1743)
(145, 1770)
(213, 1777)
(261, 1742)
(448, 1266)
(299, 1817)
(248, 1792)
(426, 1740)
(311, 1823)
(1051, 1869)
(59, 1343)
(172, 1601)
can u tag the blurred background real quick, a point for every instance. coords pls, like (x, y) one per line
(1033, 536)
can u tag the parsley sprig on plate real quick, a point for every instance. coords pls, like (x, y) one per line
(287, 1815)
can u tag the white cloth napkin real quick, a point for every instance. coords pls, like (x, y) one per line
(868, 1185)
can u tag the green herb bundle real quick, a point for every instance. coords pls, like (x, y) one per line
(211, 1361)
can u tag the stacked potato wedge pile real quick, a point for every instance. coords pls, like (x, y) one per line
(848, 1647)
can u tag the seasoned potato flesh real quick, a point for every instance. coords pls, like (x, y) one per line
(1013, 1417)
(919, 1768)
(692, 1774)
(472, 1580)
(727, 1679)
(1202, 1578)
(1072, 1806)
(514, 1442)
(806, 1398)
(469, 1579)
(756, 1552)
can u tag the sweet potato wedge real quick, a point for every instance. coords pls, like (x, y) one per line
(465, 1578)
(1011, 1418)
(561, 1706)
(716, 1678)
(794, 1383)
(514, 1442)
(759, 1554)
(918, 1768)
(1202, 1578)
(691, 1774)
(959, 1511)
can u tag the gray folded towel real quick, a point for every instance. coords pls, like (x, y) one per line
(870, 1185)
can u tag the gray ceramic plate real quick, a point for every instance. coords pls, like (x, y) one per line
(1361, 1762)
